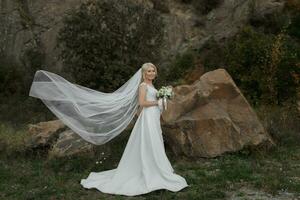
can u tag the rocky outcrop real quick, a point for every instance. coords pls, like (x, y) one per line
(56, 139)
(35, 24)
(68, 144)
(43, 134)
(188, 28)
(211, 117)
(32, 24)
(204, 119)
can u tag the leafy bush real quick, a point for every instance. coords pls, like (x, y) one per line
(104, 42)
(292, 5)
(179, 67)
(271, 23)
(212, 55)
(203, 6)
(263, 59)
(10, 77)
(281, 122)
(294, 27)
(264, 66)
(15, 81)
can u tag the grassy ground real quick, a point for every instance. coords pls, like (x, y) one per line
(30, 175)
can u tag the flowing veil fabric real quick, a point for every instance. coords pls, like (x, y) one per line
(96, 116)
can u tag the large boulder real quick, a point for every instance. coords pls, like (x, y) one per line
(211, 117)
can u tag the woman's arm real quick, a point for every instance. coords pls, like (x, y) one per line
(142, 97)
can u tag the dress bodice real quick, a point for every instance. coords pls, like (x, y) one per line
(151, 96)
(150, 92)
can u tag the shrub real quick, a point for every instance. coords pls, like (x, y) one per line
(294, 27)
(271, 23)
(15, 81)
(212, 55)
(203, 6)
(179, 67)
(10, 77)
(105, 42)
(264, 66)
(292, 5)
(281, 122)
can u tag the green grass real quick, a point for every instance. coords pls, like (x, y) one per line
(24, 175)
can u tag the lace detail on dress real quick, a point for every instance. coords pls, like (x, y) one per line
(144, 84)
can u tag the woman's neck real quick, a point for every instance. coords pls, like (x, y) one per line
(148, 82)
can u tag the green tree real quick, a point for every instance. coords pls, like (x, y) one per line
(264, 65)
(104, 42)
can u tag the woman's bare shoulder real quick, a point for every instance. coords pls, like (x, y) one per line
(143, 83)
(143, 86)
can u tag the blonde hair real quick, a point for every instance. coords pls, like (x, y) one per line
(145, 67)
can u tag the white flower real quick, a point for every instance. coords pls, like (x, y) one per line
(97, 162)
(102, 153)
(165, 91)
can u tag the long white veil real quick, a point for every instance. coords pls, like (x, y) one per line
(96, 116)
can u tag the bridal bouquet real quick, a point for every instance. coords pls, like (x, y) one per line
(165, 92)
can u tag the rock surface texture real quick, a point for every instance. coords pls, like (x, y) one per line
(211, 117)
(68, 144)
(26, 24)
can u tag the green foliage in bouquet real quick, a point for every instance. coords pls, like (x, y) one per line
(165, 91)
(104, 42)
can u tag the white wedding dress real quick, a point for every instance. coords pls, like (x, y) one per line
(144, 166)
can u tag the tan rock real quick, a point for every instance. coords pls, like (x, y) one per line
(44, 133)
(184, 27)
(211, 117)
(68, 144)
(57, 140)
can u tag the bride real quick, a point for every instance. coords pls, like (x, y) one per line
(98, 117)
